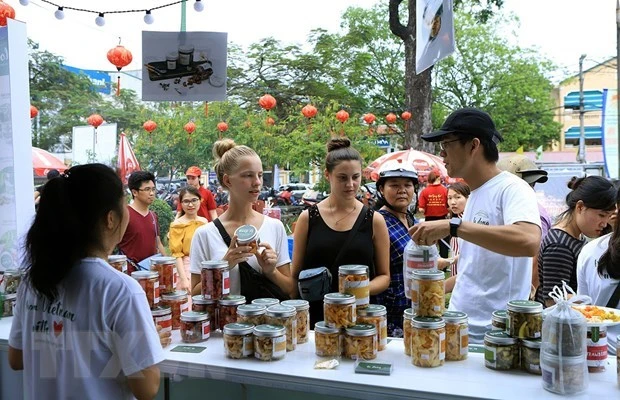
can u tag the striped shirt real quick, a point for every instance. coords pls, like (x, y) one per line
(557, 262)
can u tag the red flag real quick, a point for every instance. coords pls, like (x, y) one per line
(127, 161)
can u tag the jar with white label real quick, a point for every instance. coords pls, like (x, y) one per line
(427, 293)
(227, 309)
(524, 319)
(501, 352)
(167, 269)
(238, 340)
(9, 305)
(327, 340)
(376, 315)
(360, 342)
(186, 55)
(118, 262)
(428, 342)
(215, 278)
(417, 257)
(284, 315)
(407, 330)
(530, 356)
(269, 342)
(199, 303)
(251, 314)
(149, 281)
(596, 347)
(457, 335)
(162, 316)
(195, 327)
(266, 301)
(339, 310)
(303, 318)
(355, 280)
(178, 303)
(498, 320)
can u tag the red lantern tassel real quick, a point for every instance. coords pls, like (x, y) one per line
(341, 129)
(118, 86)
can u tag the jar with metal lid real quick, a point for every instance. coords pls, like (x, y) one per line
(360, 342)
(457, 335)
(355, 280)
(238, 340)
(251, 314)
(171, 61)
(287, 316)
(12, 279)
(269, 342)
(428, 297)
(9, 305)
(407, 330)
(266, 301)
(303, 318)
(186, 55)
(247, 235)
(596, 347)
(530, 356)
(501, 352)
(201, 304)
(227, 309)
(327, 340)
(417, 257)
(178, 303)
(215, 278)
(524, 319)
(195, 326)
(168, 276)
(428, 342)
(118, 262)
(376, 315)
(498, 320)
(162, 316)
(149, 280)
(564, 375)
(339, 310)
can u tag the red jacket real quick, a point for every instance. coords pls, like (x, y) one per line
(434, 200)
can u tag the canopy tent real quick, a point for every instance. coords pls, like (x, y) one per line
(43, 162)
(423, 162)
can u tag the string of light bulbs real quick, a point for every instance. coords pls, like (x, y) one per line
(100, 19)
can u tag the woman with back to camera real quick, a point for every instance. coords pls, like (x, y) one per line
(324, 228)
(591, 203)
(240, 172)
(80, 326)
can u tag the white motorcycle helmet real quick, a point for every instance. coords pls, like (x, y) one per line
(396, 169)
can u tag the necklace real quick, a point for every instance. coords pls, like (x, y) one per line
(331, 209)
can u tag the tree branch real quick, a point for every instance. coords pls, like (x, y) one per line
(396, 26)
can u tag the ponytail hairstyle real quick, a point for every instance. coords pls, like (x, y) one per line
(339, 150)
(67, 226)
(595, 192)
(227, 155)
(609, 263)
(186, 190)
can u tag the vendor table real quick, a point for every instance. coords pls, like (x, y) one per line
(211, 373)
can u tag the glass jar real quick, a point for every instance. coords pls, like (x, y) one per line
(171, 61)
(9, 305)
(407, 330)
(498, 320)
(327, 340)
(149, 280)
(354, 279)
(457, 335)
(247, 235)
(195, 327)
(215, 278)
(596, 347)
(360, 342)
(524, 319)
(286, 316)
(565, 335)
(166, 267)
(428, 341)
(178, 303)
(162, 316)
(12, 279)
(376, 315)
(428, 297)
(227, 309)
(186, 55)
(238, 340)
(566, 376)
(266, 301)
(417, 257)
(118, 262)
(199, 303)
(303, 318)
(501, 352)
(251, 314)
(530, 356)
(339, 310)
(269, 342)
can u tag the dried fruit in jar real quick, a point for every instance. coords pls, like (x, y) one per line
(339, 315)
(428, 347)
(364, 347)
(457, 342)
(428, 297)
(269, 348)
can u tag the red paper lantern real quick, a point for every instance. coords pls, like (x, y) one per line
(391, 118)
(406, 115)
(95, 120)
(119, 57)
(342, 116)
(190, 127)
(6, 11)
(149, 126)
(33, 111)
(267, 102)
(369, 118)
(270, 121)
(222, 127)
(309, 111)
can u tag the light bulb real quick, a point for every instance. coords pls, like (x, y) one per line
(198, 6)
(100, 20)
(59, 14)
(148, 17)
(23, 2)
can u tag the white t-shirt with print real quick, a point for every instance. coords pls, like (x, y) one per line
(83, 345)
(599, 288)
(208, 245)
(486, 281)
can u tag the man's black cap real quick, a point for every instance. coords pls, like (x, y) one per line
(466, 121)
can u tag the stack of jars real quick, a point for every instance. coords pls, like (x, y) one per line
(9, 282)
(265, 342)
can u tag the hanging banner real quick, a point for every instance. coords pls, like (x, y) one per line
(127, 161)
(434, 32)
(610, 132)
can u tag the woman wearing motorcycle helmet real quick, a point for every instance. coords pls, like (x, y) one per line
(396, 189)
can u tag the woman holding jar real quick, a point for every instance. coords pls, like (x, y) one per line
(182, 231)
(240, 172)
(324, 228)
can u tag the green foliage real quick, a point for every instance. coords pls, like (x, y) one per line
(165, 216)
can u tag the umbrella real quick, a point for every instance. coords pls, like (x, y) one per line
(43, 162)
(127, 161)
(423, 162)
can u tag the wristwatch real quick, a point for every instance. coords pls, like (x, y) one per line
(454, 226)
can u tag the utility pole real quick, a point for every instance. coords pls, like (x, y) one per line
(581, 155)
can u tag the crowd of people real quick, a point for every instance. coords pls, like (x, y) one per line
(495, 239)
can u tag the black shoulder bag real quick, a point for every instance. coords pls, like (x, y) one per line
(254, 285)
(615, 297)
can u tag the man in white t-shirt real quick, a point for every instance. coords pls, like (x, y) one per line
(500, 228)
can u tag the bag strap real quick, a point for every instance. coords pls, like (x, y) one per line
(223, 233)
(352, 232)
(615, 297)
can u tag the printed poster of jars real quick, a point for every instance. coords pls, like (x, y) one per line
(184, 66)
